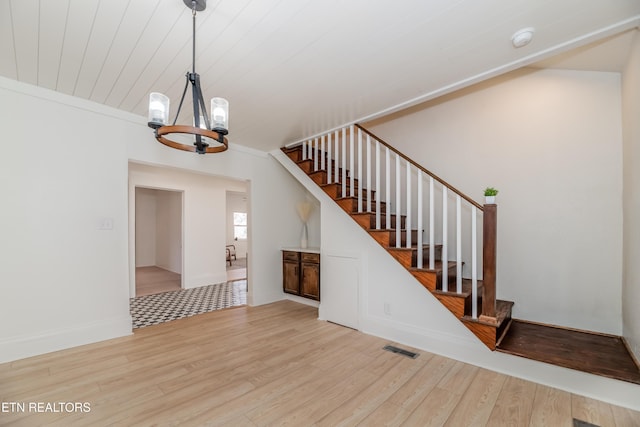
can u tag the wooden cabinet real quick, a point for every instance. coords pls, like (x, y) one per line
(301, 274)
(291, 272)
(310, 275)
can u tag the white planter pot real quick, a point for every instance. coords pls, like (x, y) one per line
(489, 200)
(304, 237)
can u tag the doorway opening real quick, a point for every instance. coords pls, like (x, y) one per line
(158, 241)
(196, 265)
(237, 236)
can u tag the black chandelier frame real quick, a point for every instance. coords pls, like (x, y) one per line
(163, 133)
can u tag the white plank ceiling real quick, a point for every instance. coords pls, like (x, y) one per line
(289, 68)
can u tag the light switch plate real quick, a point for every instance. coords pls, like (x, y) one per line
(105, 224)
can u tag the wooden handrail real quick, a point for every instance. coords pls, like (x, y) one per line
(431, 174)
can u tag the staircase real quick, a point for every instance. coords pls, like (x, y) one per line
(384, 192)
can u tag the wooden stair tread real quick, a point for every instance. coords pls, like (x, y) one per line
(356, 199)
(388, 230)
(339, 183)
(437, 266)
(373, 213)
(383, 230)
(466, 289)
(382, 214)
(503, 311)
(592, 352)
(413, 247)
(326, 172)
(327, 188)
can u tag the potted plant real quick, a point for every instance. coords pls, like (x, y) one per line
(490, 194)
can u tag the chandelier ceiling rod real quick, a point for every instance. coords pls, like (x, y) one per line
(193, 36)
(194, 79)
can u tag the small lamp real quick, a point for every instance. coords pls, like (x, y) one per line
(220, 115)
(158, 110)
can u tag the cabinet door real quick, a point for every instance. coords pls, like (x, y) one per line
(310, 281)
(291, 277)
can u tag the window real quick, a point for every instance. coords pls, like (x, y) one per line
(240, 225)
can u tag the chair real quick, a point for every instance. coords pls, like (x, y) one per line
(231, 254)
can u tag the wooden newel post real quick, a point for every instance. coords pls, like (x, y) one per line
(489, 239)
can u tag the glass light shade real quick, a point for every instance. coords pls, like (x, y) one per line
(158, 108)
(219, 113)
(203, 124)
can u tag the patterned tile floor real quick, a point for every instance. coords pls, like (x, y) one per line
(154, 309)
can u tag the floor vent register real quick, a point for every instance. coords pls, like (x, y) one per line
(401, 351)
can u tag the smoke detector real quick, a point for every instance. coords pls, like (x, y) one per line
(522, 37)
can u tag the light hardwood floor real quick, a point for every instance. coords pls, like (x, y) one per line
(154, 280)
(236, 274)
(277, 365)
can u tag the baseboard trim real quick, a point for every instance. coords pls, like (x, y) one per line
(301, 300)
(21, 347)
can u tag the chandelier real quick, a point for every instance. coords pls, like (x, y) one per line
(205, 135)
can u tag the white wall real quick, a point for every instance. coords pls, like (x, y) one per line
(158, 228)
(631, 129)
(550, 141)
(168, 230)
(64, 281)
(63, 177)
(236, 202)
(145, 227)
(314, 227)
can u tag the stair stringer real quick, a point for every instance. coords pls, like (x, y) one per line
(383, 279)
(453, 340)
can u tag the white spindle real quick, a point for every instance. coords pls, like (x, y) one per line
(329, 158)
(315, 154)
(304, 150)
(407, 227)
(359, 170)
(458, 244)
(322, 153)
(378, 219)
(398, 200)
(336, 175)
(420, 244)
(368, 173)
(432, 243)
(445, 241)
(351, 162)
(387, 194)
(474, 265)
(344, 162)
